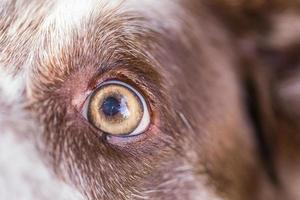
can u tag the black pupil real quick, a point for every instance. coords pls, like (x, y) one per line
(111, 106)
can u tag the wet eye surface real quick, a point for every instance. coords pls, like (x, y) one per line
(118, 109)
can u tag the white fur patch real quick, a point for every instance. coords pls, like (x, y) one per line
(24, 177)
(67, 16)
(11, 87)
(286, 30)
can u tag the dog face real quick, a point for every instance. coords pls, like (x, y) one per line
(130, 99)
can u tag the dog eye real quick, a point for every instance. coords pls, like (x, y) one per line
(118, 109)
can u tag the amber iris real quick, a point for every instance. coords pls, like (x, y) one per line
(116, 109)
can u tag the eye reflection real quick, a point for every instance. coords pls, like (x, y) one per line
(116, 108)
(112, 106)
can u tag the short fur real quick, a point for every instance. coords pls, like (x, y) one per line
(220, 126)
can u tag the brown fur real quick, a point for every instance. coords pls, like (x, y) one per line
(194, 74)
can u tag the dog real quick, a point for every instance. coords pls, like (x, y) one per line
(140, 99)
